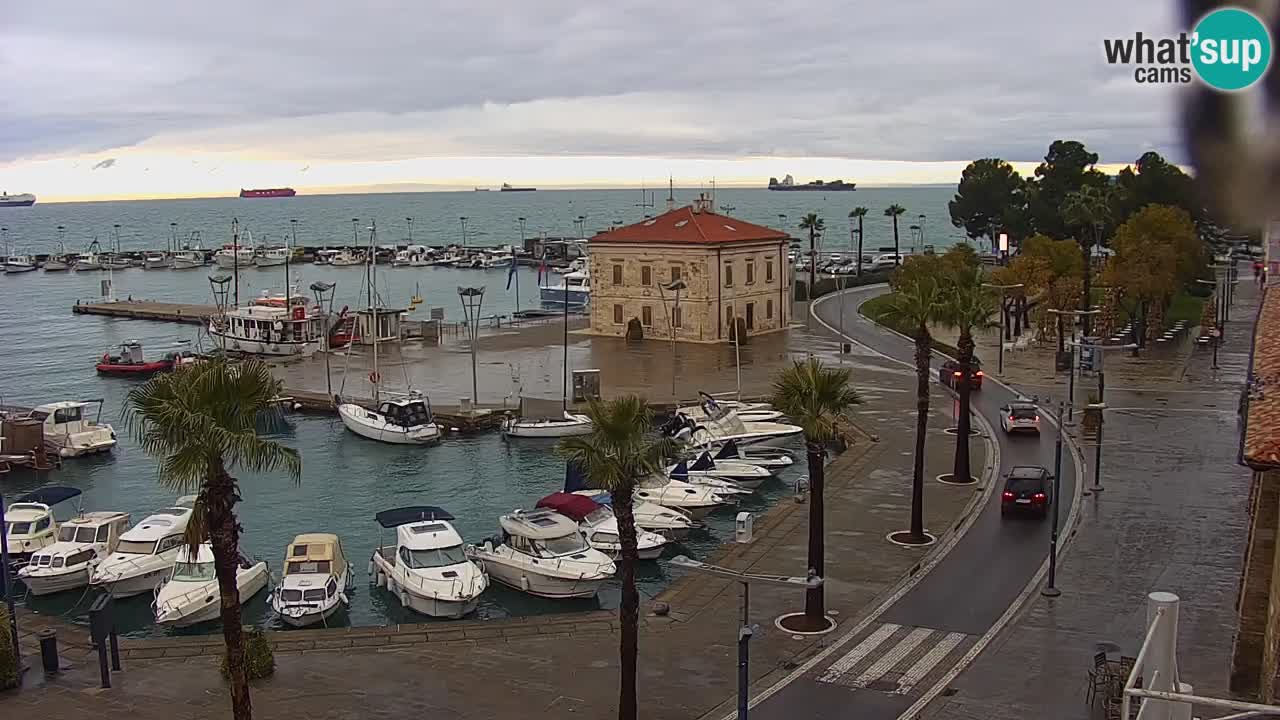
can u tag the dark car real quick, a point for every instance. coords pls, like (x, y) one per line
(949, 374)
(1027, 488)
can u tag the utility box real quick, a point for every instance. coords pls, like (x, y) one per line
(464, 405)
(586, 385)
(744, 527)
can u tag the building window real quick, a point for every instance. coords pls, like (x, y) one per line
(751, 272)
(728, 275)
(617, 274)
(646, 275)
(676, 320)
(768, 309)
(646, 316)
(751, 316)
(768, 271)
(675, 273)
(617, 314)
(728, 316)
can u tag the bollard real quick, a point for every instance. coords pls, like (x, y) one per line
(49, 649)
(102, 629)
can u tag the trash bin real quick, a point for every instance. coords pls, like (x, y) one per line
(744, 527)
(48, 649)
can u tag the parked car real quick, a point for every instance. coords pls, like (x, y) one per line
(949, 374)
(886, 261)
(1020, 416)
(1027, 488)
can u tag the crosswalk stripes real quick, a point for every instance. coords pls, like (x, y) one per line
(895, 658)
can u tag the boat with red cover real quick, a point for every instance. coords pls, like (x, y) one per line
(600, 527)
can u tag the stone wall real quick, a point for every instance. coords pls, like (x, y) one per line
(1254, 659)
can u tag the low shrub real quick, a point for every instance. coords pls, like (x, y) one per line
(259, 657)
(8, 661)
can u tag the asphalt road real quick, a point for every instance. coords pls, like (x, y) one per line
(899, 656)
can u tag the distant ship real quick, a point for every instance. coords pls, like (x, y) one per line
(788, 183)
(268, 192)
(507, 188)
(23, 200)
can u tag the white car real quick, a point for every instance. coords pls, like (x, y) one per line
(1020, 417)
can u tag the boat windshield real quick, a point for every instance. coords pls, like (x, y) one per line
(20, 528)
(136, 547)
(194, 572)
(564, 545)
(307, 567)
(69, 533)
(600, 514)
(437, 557)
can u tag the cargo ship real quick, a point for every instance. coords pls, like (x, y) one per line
(508, 188)
(268, 192)
(23, 200)
(817, 185)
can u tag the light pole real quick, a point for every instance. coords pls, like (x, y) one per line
(472, 299)
(1051, 588)
(515, 268)
(746, 629)
(409, 222)
(463, 221)
(320, 289)
(1071, 367)
(923, 220)
(1002, 289)
(581, 222)
(675, 286)
(1101, 405)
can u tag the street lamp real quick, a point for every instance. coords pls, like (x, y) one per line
(746, 630)
(675, 286)
(1051, 587)
(320, 289)
(463, 221)
(1100, 405)
(409, 221)
(472, 299)
(1071, 368)
(1002, 289)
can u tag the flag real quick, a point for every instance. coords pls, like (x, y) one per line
(511, 273)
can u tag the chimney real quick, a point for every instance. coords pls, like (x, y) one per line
(702, 204)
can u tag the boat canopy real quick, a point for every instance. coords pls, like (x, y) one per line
(51, 495)
(577, 507)
(540, 524)
(574, 478)
(703, 462)
(729, 451)
(413, 513)
(308, 550)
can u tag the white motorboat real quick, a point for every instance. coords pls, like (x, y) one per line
(90, 259)
(499, 258)
(155, 261)
(59, 263)
(574, 288)
(766, 457)
(267, 327)
(543, 553)
(112, 261)
(600, 526)
(697, 414)
(667, 522)
(19, 264)
(757, 411)
(187, 260)
(232, 256)
(540, 418)
(271, 257)
(146, 552)
(190, 595)
(411, 256)
(704, 467)
(427, 568)
(402, 421)
(697, 501)
(346, 258)
(723, 425)
(31, 523)
(83, 542)
(316, 580)
(67, 428)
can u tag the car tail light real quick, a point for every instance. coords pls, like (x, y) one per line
(1012, 418)
(957, 374)
(979, 373)
(1006, 495)
(1038, 497)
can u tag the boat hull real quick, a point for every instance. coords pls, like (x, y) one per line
(155, 263)
(184, 264)
(205, 606)
(18, 268)
(555, 296)
(541, 585)
(56, 266)
(421, 435)
(540, 429)
(309, 618)
(268, 262)
(133, 585)
(48, 584)
(134, 369)
(294, 348)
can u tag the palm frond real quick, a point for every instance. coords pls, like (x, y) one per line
(814, 397)
(917, 305)
(622, 446)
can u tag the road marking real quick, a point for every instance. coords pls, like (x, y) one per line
(924, 665)
(864, 648)
(893, 657)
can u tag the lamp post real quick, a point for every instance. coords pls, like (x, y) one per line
(320, 290)
(1101, 405)
(1071, 369)
(1051, 587)
(409, 221)
(463, 221)
(923, 220)
(581, 223)
(472, 299)
(1002, 289)
(675, 286)
(746, 629)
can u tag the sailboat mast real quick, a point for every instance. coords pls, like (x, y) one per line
(288, 255)
(373, 309)
(565, 379)
(737, 348)
(235, 257)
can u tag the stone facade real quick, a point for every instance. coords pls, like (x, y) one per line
(748, 279)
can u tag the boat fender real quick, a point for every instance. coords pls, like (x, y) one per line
(524, 582)
(391, 585)
(372, 574)
(404, 598)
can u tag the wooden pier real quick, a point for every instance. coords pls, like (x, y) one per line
(148, 310)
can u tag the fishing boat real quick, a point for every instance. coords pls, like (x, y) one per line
(19, 264)
(83, 542)
(155, 261)
(31, 522)
(58, 263)
(187, 259)
(190, 595)
(427, 568)
(316, 580)
(600, 527)
(270, 329)
(90, 259)
(272, 257)
(146, 553)
(233, 256)
(543, 553)
(67, 428)
(115, 261)
(346, 258)
(413, 255)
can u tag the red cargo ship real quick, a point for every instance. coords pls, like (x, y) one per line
(268, 192)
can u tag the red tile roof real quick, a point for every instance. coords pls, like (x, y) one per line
(1262, 434)
(683, 225)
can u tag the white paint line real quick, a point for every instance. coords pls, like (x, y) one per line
(864, 648)
(893, 657)
(924, 665)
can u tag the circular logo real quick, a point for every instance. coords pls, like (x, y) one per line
(1231, 49)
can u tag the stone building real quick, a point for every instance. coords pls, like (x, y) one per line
(728, 268)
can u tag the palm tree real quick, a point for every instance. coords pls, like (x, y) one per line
(893, 211)
(815, 226)
(916, 306)
(201, 422)
(1088, 210)
(815, 397)
(968, 306)
(860, 213)
(619, 451)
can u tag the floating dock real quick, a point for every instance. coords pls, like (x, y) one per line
(451, 418)
(148, 310)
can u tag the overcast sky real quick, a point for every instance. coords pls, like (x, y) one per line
(103, 97)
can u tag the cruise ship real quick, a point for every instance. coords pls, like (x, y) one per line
(268, 193)
(23, 200)
(789, 183)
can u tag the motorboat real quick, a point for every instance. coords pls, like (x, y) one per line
(574, 288)
(543, 553)
(67, 564)
(67, 428)
(411, 256)
(190, 595)
(61, 262)
(267, 327)
(766, 457)
(232, 256)
(540, 418)
(155, 261)
(90, 259)
(31, 525)
(271, 257)
(113, 261)
(698, 414)
(712, 403)
(346, 258)
(186, 260)
(600, 526)
(146, 552)
(130, 362)
(667, 522)
(403, 421)
(697, 501)
(704, 467)
(499, 258)
(315, 583)
(723, 424)
(19, 264)
(427, 567)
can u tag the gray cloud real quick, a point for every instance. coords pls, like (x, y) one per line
(927, 80)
